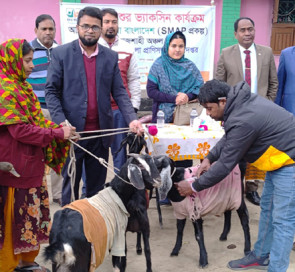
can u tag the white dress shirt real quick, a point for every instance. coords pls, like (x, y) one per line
(253, 58)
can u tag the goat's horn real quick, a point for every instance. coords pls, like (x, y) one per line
(134, 155)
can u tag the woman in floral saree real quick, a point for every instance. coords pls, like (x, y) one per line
(28, 141)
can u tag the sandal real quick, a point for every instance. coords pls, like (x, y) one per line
(31, 268)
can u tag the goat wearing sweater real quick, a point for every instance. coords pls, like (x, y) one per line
(225, 196)
(76, 247)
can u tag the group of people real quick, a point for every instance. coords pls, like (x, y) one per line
(259, 136)
(80, 83)
(48, 92)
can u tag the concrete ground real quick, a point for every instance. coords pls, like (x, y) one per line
(162, 241)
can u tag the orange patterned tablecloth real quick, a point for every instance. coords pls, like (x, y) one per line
(182, 142)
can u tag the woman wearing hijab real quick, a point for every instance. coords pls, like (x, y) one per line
(27, 141)
(173, 79)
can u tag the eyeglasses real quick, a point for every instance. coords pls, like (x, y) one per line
(94, 28)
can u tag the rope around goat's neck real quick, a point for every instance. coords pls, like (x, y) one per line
(152, 143)
(72, 163)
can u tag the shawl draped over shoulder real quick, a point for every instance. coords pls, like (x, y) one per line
(19, 104)
(173, 76)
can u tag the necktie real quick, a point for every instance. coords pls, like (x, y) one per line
(248, 67)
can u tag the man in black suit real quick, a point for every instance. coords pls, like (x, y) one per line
(81, 78)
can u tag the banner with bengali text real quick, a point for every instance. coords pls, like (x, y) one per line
(145, 27)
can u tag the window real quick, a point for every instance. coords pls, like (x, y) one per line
(286, 12)
(283, 28)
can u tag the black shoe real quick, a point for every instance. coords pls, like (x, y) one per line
(253, 197)
(57, 201)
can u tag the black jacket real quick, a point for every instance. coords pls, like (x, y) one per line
(66, 88)
(256, 130)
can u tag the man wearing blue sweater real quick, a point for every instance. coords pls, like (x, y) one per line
(43, 45)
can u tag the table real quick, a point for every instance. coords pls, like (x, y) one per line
(182, 142)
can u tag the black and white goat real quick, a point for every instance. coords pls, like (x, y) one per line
(198, 208)
(69, 249)
(138, 221)
(134, 142)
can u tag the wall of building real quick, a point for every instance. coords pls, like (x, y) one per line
(18, 17)
(230, 12)
(261, 12)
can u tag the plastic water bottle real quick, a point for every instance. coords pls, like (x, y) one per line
(160, 119)
(193, 115)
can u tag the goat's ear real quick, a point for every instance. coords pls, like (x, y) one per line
(166, 182)
(162, 161)
(135, 176)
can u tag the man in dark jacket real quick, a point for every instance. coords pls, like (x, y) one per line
(261, 75)
(82, 77)
(262, 133)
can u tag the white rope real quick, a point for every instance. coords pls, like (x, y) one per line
(102, 130)
(101, 160)
(72, 163)
(103, 135)
(151, 141)
(72, 170)
(173, 172)
(156, 153)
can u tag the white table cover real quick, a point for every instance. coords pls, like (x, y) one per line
(182, 142)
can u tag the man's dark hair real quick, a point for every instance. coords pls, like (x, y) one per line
(42, 18)
(212, 91)
(178, 35)
(110, 11)
(89, 11)
(26, 48)
(242, 18)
